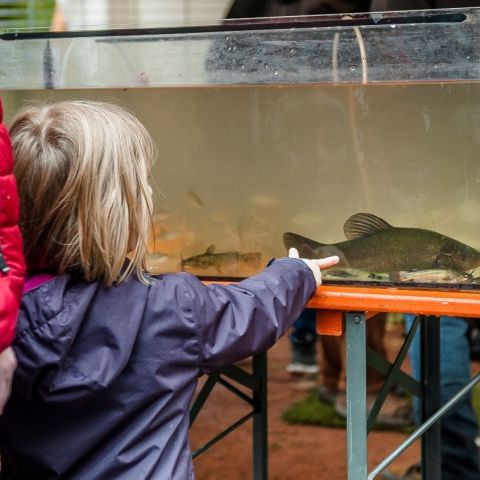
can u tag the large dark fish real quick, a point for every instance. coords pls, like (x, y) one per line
(376, 246)
(219, 260)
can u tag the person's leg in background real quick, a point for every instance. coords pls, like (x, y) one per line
(376, 341)
(396, 410)
(332, 352)
(459, 426)
(332, 374)
(331, 388)
(302, 342)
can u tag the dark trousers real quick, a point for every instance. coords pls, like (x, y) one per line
(459, 427)
(332, 366)
(333, 355)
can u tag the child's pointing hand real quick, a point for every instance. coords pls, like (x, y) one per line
(315, 265)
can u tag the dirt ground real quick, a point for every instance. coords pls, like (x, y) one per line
(295, 451)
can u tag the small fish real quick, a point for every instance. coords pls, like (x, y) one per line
(432, 276)
(377, 246)
(219, 260)
(339, 273)
(354, 274)
(195, 199)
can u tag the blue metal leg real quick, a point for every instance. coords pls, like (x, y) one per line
(430, 375)
(356, 396)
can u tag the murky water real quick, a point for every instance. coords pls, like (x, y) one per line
(238, 167)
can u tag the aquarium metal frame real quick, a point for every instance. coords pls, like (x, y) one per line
(347, 309)
(256, 382)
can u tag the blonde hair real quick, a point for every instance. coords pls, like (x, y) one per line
(82, 169)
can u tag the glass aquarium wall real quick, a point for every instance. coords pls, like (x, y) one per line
(358, 137)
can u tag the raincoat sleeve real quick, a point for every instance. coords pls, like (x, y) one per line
(238, 320)
(12, 267)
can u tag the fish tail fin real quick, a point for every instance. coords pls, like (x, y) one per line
(307, 248)
(294, 240)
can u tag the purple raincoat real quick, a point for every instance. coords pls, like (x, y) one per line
(106, 375)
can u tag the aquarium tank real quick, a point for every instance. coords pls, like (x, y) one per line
(357, 136)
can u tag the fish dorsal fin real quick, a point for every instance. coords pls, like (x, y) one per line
(363, 224)
(210, 250)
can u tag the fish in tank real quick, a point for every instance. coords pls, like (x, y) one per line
(405, 254)
(220, 262)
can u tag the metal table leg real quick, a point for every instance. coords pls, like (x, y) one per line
(256, 382)
(356, 370)
(260, 422)
(431, 401)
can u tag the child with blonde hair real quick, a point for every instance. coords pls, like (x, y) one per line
(109, 357)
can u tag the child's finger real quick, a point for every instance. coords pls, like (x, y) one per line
(327, 262)
(293, 253)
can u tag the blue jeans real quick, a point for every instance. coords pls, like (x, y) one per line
(459, 426)
(304, 326)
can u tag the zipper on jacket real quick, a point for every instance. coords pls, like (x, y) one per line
(4, 268)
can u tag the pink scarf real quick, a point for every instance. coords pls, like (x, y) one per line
(36, 281)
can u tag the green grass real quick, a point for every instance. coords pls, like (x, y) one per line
(312, 411)
(476, 400)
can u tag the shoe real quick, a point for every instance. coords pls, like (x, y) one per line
(395, 411)
(413, 473)
(304, 358)
(326, 395)
(296, 368)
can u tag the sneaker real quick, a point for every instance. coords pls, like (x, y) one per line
(326, 395)
(296, 368)
(304, 358)
(395, 411)
(413, 473)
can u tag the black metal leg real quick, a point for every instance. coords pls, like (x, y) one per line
(260, 422)
(256, 382)
(431, 400)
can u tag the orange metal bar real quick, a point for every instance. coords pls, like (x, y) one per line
(329, 322)
(332, 301)
(403, 300)
(337, 299)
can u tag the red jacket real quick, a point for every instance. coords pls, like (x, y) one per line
(12, 266)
